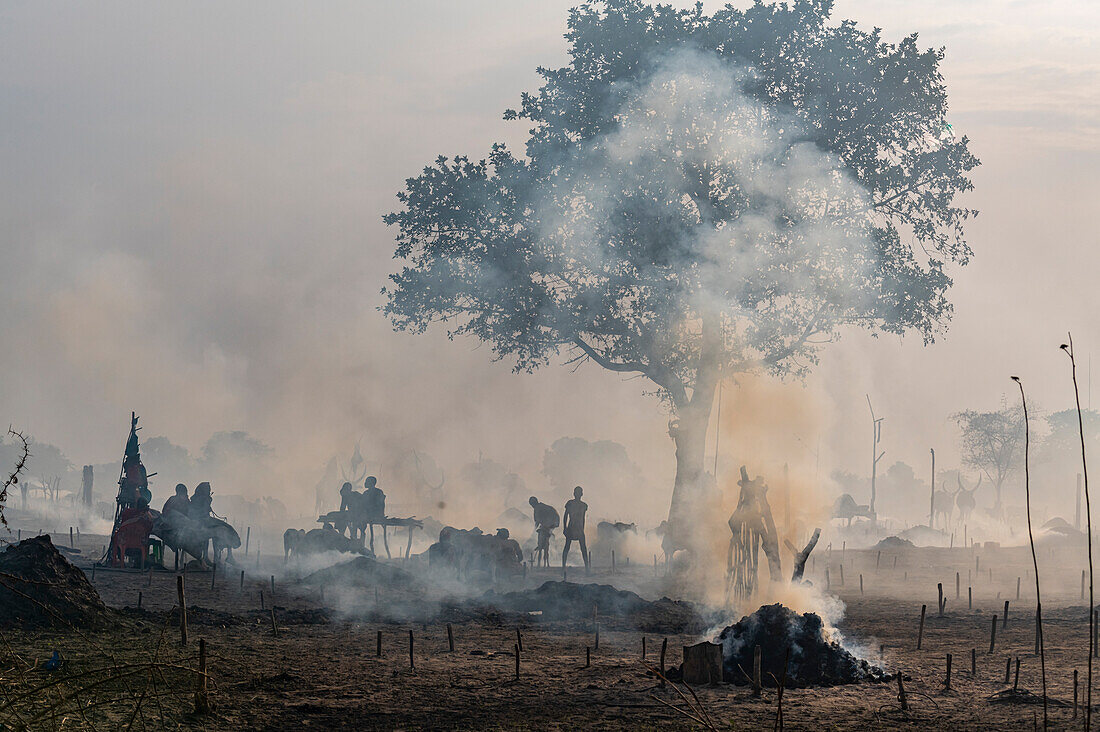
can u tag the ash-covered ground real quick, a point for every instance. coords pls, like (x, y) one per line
(323, 668)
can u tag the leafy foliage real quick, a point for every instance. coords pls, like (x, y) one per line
(992, 442)
(701, 195)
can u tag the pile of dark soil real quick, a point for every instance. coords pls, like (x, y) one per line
(894, 543)
(40, 588)
(361, 572)
(573, 601)
(815, 660)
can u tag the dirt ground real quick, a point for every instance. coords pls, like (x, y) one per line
(323, 671)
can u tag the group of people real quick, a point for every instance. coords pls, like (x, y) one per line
(360, 510)
(188, 523)
(198, 506)
(547, 519)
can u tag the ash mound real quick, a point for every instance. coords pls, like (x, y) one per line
(815, 660)
(573, 601)
(361, 572)
(40, 588)
(895, 543)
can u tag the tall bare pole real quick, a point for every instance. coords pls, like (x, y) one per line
(1034, 561)
(875, 454)
(1068, 348)
(932, 497)
(717, 431)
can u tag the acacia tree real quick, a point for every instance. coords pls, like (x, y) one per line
(701, 196)
(992, 442)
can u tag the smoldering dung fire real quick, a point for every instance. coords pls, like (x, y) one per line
(816, 656)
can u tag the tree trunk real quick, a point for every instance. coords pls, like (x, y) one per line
(690, 493)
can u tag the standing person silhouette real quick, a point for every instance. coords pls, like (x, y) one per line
(573, 527)
(546, 520)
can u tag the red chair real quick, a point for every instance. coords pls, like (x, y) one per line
(132, 535)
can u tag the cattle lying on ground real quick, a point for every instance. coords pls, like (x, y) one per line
(465, 553)
(299, 542)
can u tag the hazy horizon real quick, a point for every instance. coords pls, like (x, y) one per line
(193, 202)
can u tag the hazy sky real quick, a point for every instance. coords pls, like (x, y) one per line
(191, 202)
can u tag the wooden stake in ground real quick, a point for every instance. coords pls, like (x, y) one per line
(969, 598)
(519, 640)
(450, 638)
(183, 610)
(378, 651)
(779, 694)
(757, 682)
(247, 537)
(1008, 670)
(202, 702)
(901, 694)
(1068, 348)
(993, 634)
(588, 661)
(939, 602)
(273, 588)
(262, 600)
(643, 647)
(664, 647)
(1034, 561)
(947, 682)
(412, 663)
(973, 662)
(958, 585)
(1004, 623)
(274, 627)
(920, 631)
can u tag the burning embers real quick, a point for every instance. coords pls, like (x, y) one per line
(815, 660)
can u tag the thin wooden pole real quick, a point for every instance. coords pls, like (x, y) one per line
(1034, 560)
(920, 631)
(993, 634)
(378, 647)
(1068, 348)
(412, 662)
(450, 638)
(183, 609)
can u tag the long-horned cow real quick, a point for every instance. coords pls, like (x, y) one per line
(964, 498)
(943, 503)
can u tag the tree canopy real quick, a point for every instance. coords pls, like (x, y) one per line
(701, 195)
(992, 442)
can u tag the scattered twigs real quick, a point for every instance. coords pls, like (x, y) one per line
(13, 477)
(695, 709)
